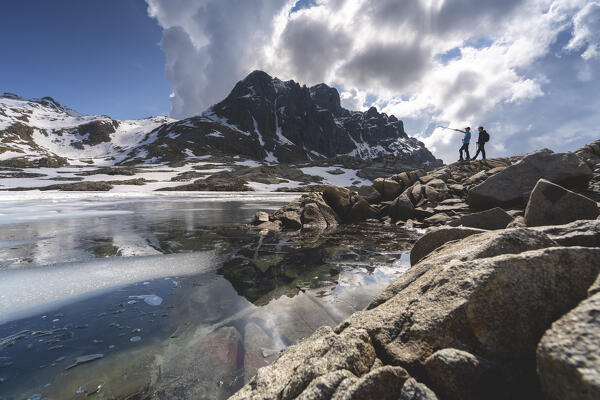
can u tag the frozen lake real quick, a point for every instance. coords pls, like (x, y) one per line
(165, 295)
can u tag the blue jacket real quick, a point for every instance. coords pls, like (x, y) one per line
(467, 138)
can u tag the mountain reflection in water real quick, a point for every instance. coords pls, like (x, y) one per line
(199, 334)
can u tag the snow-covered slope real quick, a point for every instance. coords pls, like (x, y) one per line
(44, 132)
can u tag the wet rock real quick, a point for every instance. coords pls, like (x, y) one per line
(312, 218)
(261, 217)
(402, 208)
(300, 365)
(457, 374)
(568, 356)
(508, 186)
(339, 199)
(436, 238)
(495, 218)
(290, 220)
(274, 226)
(551, 204)
(361, 210)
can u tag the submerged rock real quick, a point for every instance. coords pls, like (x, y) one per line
(85, 359)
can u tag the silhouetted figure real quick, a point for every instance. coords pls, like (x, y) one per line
(465, 147)
(481, 140)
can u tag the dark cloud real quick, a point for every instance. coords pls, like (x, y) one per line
(455, 15)
(465, 82)
(312, 47)
(393, 66)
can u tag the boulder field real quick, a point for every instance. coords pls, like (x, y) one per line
(501, 300)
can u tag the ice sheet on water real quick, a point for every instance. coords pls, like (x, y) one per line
(26, 291)
(150, 299)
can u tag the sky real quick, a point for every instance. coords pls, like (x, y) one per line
(98, 57)
(527, 70)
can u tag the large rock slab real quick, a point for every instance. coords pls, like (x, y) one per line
(496, 307)
(389, 188)
(568, 355)
(578, 233)
(339, 199)
(508, 186)
(435, 238)
(551, 204)
(495, 218)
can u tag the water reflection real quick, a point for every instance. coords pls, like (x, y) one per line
(201, 334)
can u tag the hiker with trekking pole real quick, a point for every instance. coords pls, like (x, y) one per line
(466, 140)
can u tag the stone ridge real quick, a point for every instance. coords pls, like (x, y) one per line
(491, 308)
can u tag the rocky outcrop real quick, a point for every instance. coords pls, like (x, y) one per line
(551, 204)
(509, 186)
(470, 313)
(221, 183)
(309, 212)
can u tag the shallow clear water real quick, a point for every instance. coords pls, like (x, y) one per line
(167, 297)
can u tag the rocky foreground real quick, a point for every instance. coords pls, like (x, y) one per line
(502, 300)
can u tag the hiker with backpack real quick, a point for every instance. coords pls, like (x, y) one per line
(481, 141)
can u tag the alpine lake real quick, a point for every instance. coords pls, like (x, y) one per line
(169, 296)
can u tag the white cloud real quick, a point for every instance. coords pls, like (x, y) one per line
(502, 64)
(586, 31)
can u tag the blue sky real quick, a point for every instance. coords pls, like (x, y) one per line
(98, 57)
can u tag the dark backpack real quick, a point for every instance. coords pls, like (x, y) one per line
(486, 136)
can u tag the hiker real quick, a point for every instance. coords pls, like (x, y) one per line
(466, 140)
(481, 140)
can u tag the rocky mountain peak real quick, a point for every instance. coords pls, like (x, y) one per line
(293, 123)
(326, 97)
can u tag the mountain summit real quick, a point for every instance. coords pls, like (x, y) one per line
(263, 118)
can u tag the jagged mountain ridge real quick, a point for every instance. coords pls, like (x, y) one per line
(267, 119)
(263, 118)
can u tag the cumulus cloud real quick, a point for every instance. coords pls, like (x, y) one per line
(503, 64)
(210, 44)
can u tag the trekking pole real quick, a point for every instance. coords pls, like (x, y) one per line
(451, 129)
